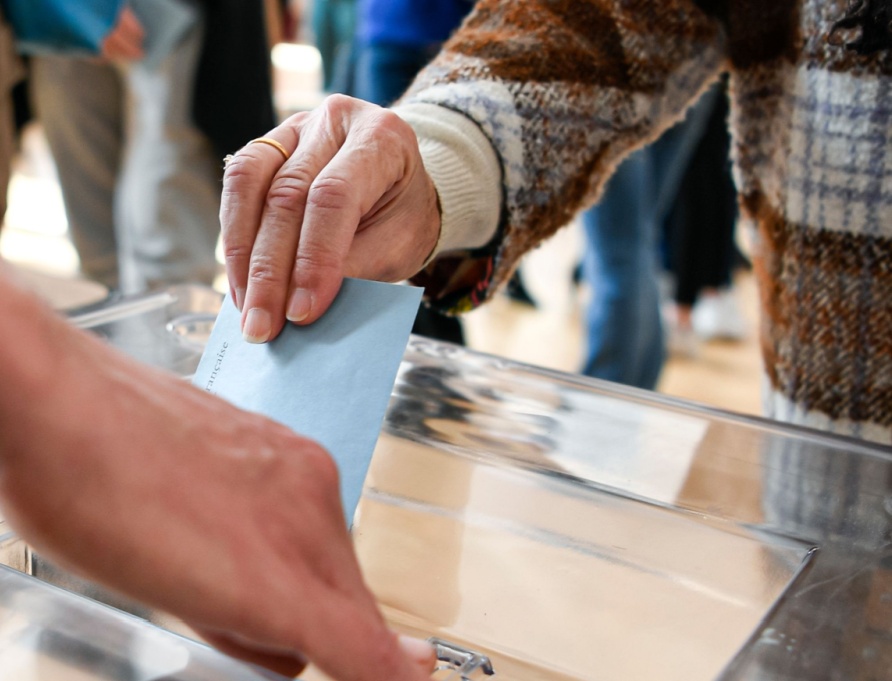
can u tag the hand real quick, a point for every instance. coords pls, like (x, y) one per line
(352, 199)
(135, 479)
(124, 42)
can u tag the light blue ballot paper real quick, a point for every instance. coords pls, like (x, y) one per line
(330, 381)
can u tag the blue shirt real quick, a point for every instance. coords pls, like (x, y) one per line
(416, 23)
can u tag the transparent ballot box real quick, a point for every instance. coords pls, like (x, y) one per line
(49, 634)
(542, 525)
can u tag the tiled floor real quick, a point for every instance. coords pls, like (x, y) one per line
(725, 374)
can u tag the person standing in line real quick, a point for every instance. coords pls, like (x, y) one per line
(11, 72)
(138, 144)
(625, 336)
(395, 39)
(334, 25)
(698, 239)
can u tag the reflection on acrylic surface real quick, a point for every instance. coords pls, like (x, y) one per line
(572, 529)
(48, 634)
(479, 524)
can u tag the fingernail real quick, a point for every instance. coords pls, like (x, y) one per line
(417, 650)
(299, 306)
(258, 326)
(239, 298)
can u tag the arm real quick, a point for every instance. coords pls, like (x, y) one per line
(557, 92)
(133, 478)
(607, 78)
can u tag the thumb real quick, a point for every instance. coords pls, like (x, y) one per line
(394, 658)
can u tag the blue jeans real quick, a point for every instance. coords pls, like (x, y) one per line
(625, 341)
(334, 23)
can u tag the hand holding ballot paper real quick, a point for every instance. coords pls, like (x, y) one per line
(133, 478)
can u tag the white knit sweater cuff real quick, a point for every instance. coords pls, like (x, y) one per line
(464, 169)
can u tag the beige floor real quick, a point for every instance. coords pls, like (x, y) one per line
(725, 374)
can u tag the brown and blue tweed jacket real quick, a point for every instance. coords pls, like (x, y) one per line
(565, 88)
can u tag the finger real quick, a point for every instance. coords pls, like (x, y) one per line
(375, 652)
(246, 182)
(419, 652)
(402, 658)
(367, 172)
(276, 244)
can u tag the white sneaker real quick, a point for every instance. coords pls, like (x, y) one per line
(682, 342)
(718, 316)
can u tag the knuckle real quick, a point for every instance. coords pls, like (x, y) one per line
(390, 123)
(264, 270)
(330, 193)
(388, 130)
(337, 104)
(288, 189)
(315, 260)
(235, 250)
(323, 466)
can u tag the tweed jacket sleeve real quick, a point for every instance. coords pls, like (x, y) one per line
(562, 90)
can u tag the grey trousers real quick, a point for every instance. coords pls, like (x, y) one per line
(141, 184)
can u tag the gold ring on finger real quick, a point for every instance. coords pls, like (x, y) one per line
(273, 143)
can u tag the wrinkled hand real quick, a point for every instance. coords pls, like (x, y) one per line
(125, 41)
(352, 199)
(134, 478)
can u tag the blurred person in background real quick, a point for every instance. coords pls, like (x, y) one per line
(395, 39)
(624, 335)
(11, 72)
(334, 26)
(138, 135)
(698, 240)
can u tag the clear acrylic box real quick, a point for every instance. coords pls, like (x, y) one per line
(547, 526)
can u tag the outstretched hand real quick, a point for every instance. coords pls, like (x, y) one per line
(348, 196)
(133, 478)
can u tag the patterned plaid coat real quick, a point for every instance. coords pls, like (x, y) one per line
(565, 88)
